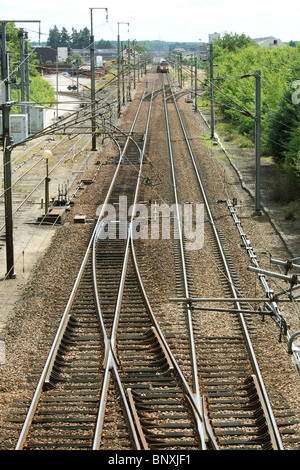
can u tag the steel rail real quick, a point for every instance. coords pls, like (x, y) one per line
(111, 363)
(196, 390)
(110, 367)
(272, 426)
(270, 300)
(45, 376)
(41, 181)
(119, 299)
(95, 286)
(69, 120)
(197, 412)
(23, 174)
(277, 317)
(110, 357)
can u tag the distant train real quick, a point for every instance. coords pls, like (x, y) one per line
(163, 67)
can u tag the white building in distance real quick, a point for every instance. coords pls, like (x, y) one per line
(271, 42)
(213, 37)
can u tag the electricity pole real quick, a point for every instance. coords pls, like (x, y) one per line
(22, 69)
(180, 68)
(257, 140)
(129, 87)
(6, 140)
(212, 115)
(191, 76)
(118, 62)
(27, 80)
(123, 76)
(257, 120)
(134, 65)
(196, 91)
(93, 85)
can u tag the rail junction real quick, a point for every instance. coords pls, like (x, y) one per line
(154, 347)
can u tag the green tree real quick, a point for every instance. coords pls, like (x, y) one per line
(231, 42)
(103, 44)
(40, 90)
(54, 37)
(64, 38)
(284, 137)
(283, 123)
(81, 39)
(236, 63)
(143, 46)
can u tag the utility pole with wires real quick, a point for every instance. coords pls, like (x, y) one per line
(257, 140)
(123, 75)
(129, 64)
(118, 63)
(93, 85)
(6, 142)
(257, 120)
(180, 70)
(196, 87)
(212, 113)
(22, 69)
(6, 137)
(27, 80)
(192, 77)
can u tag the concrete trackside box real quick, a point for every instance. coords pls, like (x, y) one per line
(37, 119)
(18, 127)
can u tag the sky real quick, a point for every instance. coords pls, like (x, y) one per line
(177, 20)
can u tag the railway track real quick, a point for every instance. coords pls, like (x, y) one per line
(81, 306)
(74, 133)
(127, 356)
(236, 401)
(117, 378)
